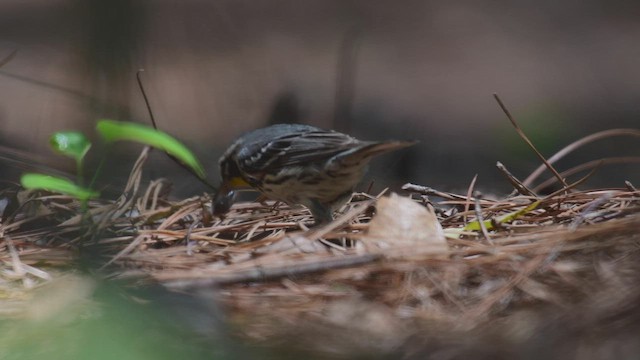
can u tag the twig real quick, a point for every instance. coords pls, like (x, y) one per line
(630, 186)
(18, 270)
(146, 99)
(187, 238)
(260, 273)
(589, 165)
(483, 227)
(153, 122)
(129, 248)
(425, 190)
(589, 209)
(579, 143)
(468, 202)
(517, 184)
(573, 185)
(526, 139)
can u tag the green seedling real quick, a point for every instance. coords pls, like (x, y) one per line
(34, 181)
(74, 145)
(70, 143)
(113, 131)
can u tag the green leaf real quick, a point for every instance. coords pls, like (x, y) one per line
(34, 181)
(70, 143)
(475, 225)
(121, 130)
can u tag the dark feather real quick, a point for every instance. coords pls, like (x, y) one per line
(302, 144)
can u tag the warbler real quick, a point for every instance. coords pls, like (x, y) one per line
(297, 164)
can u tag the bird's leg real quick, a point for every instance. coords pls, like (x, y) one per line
(322, 214)
(262, 200)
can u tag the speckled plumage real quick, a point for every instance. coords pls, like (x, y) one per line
(299, 164)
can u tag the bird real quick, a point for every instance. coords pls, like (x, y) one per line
(299, 165)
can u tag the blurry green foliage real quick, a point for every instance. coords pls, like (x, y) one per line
(120, 130)
(76, 145)
(70, 143)
(34, 181)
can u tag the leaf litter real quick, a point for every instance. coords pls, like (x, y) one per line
(389, 268)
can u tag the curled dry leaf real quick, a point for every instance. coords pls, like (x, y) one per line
(401, 225)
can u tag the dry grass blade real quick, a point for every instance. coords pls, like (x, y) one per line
(259, 273)
(483, 227)
(573, 185)
(132, 246)
(18, 270)
(267, 265)
(579, 143)
(469, 200)
(425, 190)
(526, 139)
(589, 165)
(127, 200)
(517, 184)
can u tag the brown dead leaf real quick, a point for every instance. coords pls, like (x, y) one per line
(402, 225)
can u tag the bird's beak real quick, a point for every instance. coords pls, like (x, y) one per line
(226, 195)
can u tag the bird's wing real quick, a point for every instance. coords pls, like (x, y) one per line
(305, 147)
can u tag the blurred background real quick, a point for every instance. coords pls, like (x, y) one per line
(404, 69)
(408, 69)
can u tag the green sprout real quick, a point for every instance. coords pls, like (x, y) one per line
(76, 145)
(34, 181)
(72, 144)
(113, 131)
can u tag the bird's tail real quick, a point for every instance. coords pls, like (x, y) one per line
(369, 150)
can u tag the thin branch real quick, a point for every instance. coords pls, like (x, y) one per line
(579, 143)
(153, 122)
(266, 273)
(428, 191)
(517, 184)
(469, 197)
(589, 165)
(146, 99)
(574, 184)
(526, 139)
(630, 186)
(483, 227)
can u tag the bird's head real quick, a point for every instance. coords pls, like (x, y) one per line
(232, 180)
